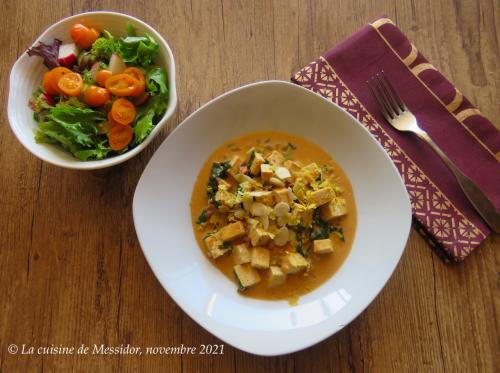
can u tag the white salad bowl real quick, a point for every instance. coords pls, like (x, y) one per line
(26, 76)
(163, 222)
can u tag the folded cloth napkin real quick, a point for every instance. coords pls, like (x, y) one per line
(441, 211)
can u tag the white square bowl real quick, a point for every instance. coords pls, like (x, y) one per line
(163, 222)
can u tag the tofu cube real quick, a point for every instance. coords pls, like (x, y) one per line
(310, 172)
(293, 166)
(323, 246)
(262, 196)
(282, 195)
(246, 275)
(276, 276)
(223, 184)
(258, 236)
(232, 231)
(334, 209)
(225, 198)
(257, 161)
(306, 217)
(214, 247)
(299, 189)
(276, 158)
(260, 257)
(241, 254)
(283, 173)
(321, 196)
(266, 172)
(293, 263)
(235, 162)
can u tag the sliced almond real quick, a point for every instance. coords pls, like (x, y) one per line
(281, 237)
(258, 209)
(283, 173)
(281, 209)
(264, 220)
(276, 182)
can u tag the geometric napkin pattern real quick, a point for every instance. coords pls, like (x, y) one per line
(447, 230)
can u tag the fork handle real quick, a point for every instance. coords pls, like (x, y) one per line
(479, 200)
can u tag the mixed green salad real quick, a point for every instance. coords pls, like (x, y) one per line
(102, 94)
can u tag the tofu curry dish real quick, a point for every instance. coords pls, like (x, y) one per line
(274, 213)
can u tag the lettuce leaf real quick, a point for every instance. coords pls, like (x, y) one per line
(76, 129)
(148, 115)
(156, 80)
(131, 30)
(137, 50)
(38, 103)
(49, 52)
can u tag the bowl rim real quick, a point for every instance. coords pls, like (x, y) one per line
(115, 160)
(218, 331)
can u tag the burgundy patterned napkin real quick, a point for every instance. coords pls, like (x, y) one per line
(441, 211)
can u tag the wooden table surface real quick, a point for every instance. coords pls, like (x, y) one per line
(72, 271)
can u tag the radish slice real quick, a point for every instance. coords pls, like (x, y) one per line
(95, 68)
(67, 55)
(116, 65)
(49, 99)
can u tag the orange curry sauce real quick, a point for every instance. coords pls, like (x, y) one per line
(323, 267)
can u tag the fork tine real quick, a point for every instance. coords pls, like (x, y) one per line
(386, 110)
(396, 98)
(377, 98)
(386, 94)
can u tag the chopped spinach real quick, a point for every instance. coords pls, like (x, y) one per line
(303, 243)
(209, 234)
(219, 170)
(252, 158)
(322, 229)
(240, 190)
(338, 231)
(202, 218)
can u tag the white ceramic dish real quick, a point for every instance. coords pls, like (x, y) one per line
(163, 222)
(27, 72)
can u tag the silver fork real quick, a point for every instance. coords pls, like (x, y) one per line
(397, 114)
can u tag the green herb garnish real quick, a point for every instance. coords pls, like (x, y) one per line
(219, 170)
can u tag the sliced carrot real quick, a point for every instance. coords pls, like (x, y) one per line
(71, 84)
(123, 111)
(120, 136)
